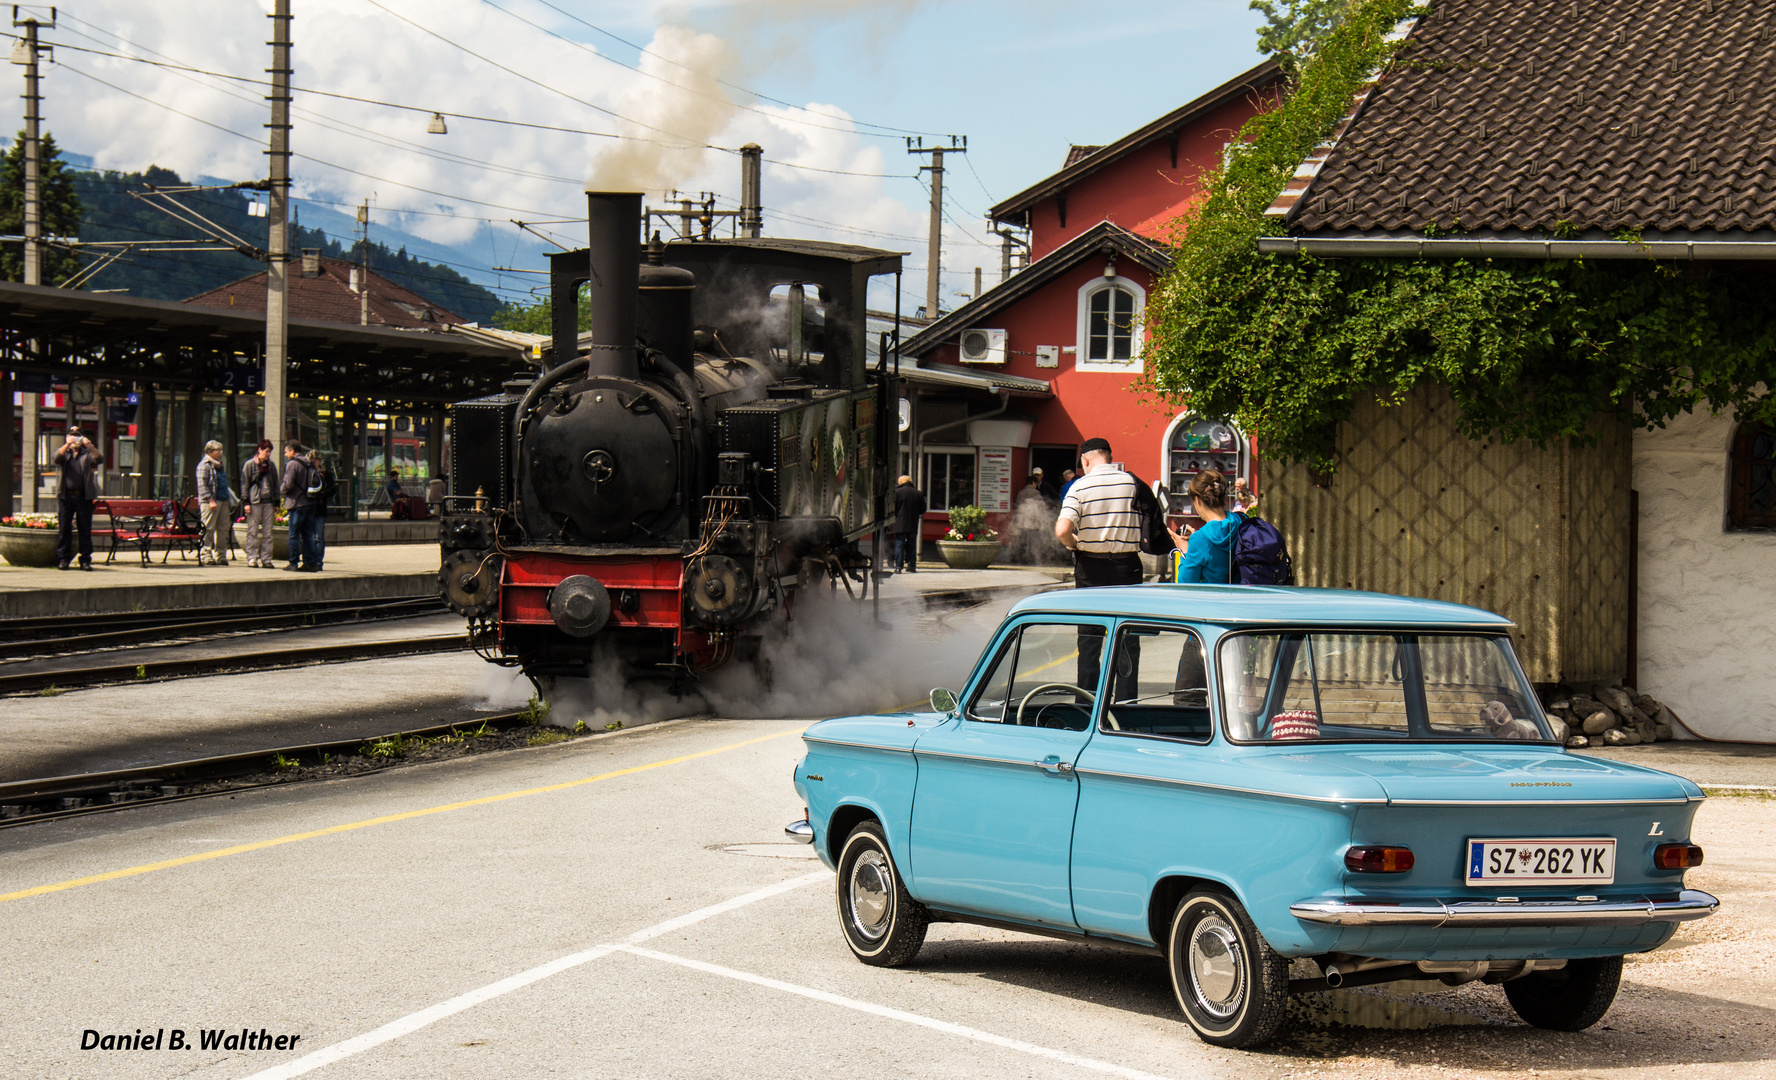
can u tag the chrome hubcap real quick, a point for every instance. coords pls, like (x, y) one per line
(1217, 975)
(871, 882)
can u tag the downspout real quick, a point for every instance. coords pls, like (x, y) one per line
(919, 439)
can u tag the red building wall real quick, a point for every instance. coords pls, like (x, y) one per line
(1142, 191)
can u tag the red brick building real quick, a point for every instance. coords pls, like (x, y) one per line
(1061, 340)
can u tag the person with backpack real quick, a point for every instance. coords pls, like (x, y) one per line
(304, 522)
(1208, 559)
(1232, 546)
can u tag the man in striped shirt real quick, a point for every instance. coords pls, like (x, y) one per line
(1099, 525)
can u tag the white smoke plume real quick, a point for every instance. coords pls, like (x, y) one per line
(829, 660)
(685, 97)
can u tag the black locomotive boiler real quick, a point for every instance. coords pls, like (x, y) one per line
(666, 487)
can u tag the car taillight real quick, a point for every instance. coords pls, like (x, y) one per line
(1677, 856)
(1378, 860)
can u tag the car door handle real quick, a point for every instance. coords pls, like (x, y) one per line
(1052, 763)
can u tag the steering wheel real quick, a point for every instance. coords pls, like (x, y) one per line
(1089, 696)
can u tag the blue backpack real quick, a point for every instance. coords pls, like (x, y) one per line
(1259, 555)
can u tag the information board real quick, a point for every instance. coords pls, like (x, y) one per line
(995, 479)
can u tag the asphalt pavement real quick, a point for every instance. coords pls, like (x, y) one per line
(626, 906)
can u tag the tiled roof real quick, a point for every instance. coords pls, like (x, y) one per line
(1514, 116)
(329, 297)
(1077, 153)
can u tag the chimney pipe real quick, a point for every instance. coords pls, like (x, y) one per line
(613, 228)
(751, 212)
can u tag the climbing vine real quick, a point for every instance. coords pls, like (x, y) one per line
(1284, 345)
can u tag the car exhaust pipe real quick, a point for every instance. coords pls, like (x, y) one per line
(1338, 974)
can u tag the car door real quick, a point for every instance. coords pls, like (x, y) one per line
(993, 810)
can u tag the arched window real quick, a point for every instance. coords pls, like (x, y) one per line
(1110, 315)
(1752, 504)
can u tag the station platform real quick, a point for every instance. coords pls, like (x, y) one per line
(364, 571)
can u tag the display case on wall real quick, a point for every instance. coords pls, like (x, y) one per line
(1195, 444)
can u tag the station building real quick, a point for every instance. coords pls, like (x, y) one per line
(1021, 375)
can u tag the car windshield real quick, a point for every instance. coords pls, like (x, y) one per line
(1346, 685)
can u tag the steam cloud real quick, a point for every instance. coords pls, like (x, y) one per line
(829, 660)
(683, 97)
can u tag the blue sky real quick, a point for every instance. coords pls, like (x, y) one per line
(839, 80)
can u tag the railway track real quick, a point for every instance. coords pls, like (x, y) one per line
(39, 636)
(29, 801)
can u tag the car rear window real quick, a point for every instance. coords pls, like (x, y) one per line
(1287, 686)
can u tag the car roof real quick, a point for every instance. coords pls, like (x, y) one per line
(1268, 605)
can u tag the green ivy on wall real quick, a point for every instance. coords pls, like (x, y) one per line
(1283, 345)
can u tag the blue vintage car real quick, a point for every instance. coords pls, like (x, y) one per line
(1240, 778)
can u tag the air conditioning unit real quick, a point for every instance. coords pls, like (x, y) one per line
(983, 347)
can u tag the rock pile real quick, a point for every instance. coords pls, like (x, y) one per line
(1602, 715)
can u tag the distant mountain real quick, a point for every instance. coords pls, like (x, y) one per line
(111, 214)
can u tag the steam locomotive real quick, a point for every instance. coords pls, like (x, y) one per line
(665, 490)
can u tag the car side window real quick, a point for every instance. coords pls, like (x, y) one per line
(1159, 685)
(1034, 679)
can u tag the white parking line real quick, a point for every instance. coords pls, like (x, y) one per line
(414, 1021)
(897, 1014)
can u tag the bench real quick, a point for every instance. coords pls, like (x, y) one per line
(144, 522)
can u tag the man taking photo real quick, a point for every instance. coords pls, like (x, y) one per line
(79, 462)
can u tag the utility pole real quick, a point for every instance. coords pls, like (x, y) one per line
(934, 243)
(277, 276)
(29, 49)
(364, 264)
(1008, 238)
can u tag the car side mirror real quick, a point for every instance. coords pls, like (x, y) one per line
(943, 701)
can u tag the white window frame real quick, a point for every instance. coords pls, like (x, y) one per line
(1082, 328)
(924, 480)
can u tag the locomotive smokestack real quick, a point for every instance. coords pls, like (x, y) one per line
(751, 209)
(614, 229)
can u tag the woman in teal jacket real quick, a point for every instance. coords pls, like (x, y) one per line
(1209, 557)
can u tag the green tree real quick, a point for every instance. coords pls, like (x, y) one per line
(61, 212)
(1293, 29)
(534, 318)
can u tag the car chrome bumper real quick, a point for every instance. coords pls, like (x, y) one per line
(799, 831)
(1690, 904)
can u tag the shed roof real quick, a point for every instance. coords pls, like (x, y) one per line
(1513, 117)
(1247, 605)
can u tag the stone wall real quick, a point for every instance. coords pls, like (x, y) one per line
(1707, 594)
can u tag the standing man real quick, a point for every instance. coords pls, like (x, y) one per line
(295, 492)
(259, 487)
(215, 503)
(909, 517)
(79, 463)
(1099, 525)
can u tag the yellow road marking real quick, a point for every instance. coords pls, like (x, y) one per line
(241, 849)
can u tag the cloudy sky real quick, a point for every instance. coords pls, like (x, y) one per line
(638, 95)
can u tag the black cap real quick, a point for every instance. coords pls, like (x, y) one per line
(1100, 445)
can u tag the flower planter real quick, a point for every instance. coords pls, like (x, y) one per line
(968, 554)
(28, 547)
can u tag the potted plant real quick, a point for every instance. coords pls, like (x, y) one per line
(28, 539)
(969, 545)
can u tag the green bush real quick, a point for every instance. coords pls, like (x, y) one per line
(969, 523)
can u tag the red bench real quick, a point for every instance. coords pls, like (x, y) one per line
(145, 521)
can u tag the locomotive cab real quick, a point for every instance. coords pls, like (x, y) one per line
(673, 478)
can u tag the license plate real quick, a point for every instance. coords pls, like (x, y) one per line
(1541, 862)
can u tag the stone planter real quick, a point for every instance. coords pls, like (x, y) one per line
(28, 547)
(968, 554)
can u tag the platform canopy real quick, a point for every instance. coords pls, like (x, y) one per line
(69, 334)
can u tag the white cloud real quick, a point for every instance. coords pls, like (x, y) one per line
(347, 150)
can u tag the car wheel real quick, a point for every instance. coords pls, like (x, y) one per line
(883, 924)
(1233, 988)
(1571, 998)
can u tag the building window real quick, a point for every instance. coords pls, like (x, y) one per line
(1109, 332)
(1753, 471)
(949, 478)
